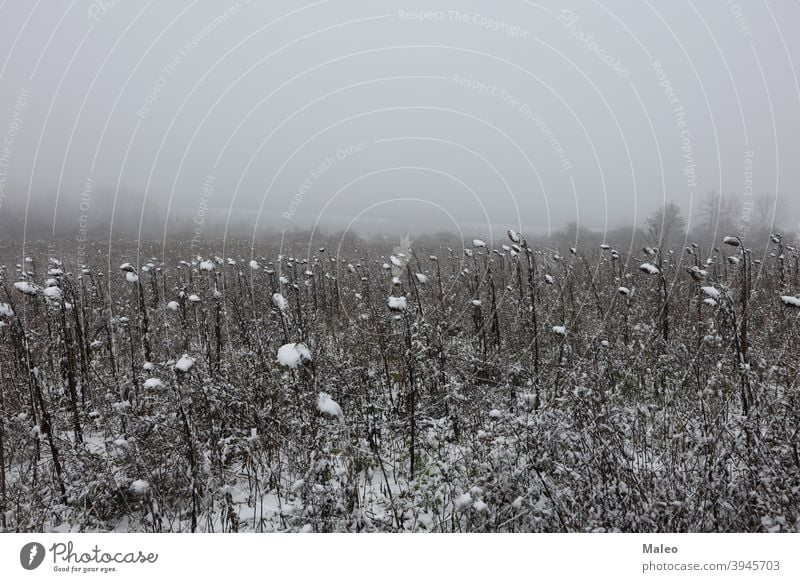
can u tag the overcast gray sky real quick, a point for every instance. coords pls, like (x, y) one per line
(431, 114)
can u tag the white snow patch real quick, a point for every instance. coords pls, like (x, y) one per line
(478, 243)
(422, 278)
(731, 240)
(328, 405)
(790, 301)
(26, 288)
(462, 502)
(206, 266)
(397, 303)
(173, 306)
(711, 292)
(5, 310)
(291, 355)
(559, 330)
(140, 487)
(132, 277)
(649, 268)
(184, 364)
(280, 301)
(153, 384)
(53, 293)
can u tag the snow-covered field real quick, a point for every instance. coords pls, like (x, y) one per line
(493, 387)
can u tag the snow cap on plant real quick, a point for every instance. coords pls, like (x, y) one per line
(731, 241)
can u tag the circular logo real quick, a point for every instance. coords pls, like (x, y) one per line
(31, 555)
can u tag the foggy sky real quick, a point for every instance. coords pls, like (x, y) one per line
(420, 115)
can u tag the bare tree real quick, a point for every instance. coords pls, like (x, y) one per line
(769, 215)
(666, 226)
